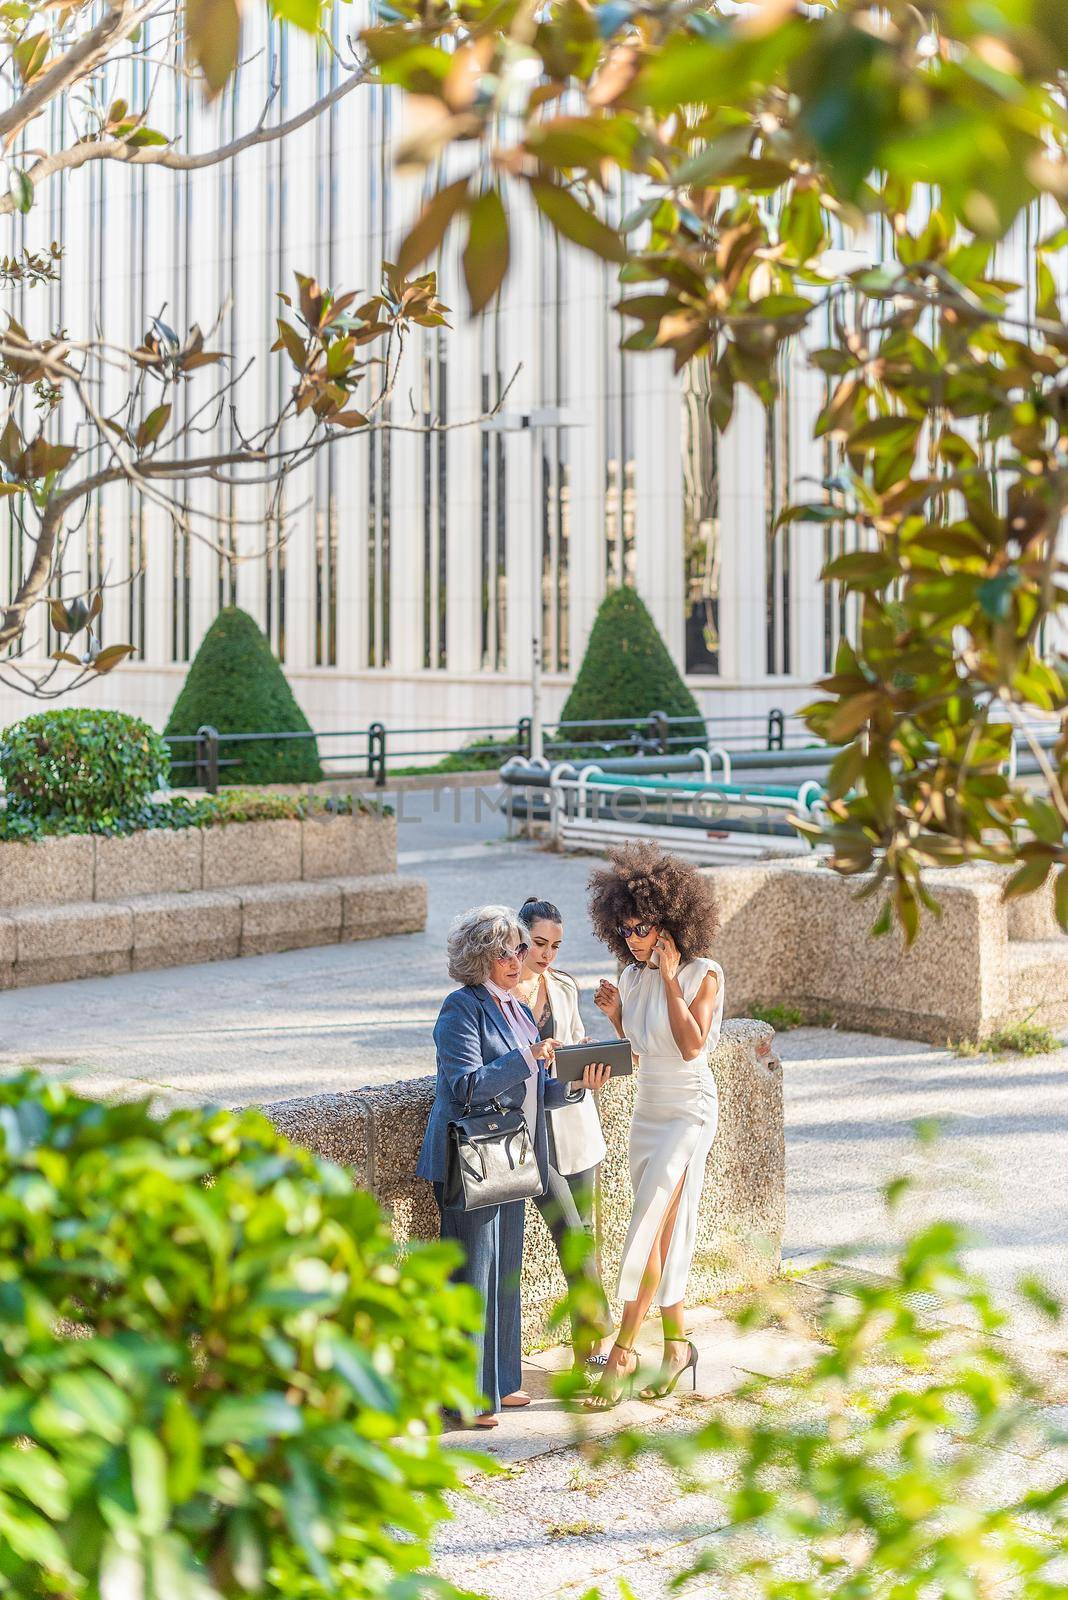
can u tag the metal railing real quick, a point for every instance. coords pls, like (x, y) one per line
(202, 760)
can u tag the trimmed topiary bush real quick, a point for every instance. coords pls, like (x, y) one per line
(628, 672)
(81, 764)
(235, 685)
(219, 1375)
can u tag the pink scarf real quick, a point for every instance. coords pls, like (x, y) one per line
(522, 1024)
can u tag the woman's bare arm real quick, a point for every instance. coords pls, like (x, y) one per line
(690, 1024)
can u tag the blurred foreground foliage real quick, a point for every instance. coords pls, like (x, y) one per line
(830, 183)
(908, 1461)
(219, 1377)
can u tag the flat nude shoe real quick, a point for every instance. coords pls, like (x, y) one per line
(513, 1402)
(488, 1419)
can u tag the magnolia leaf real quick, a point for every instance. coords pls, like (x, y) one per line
(304, 14)
(706, 166)
(485, 258)
(77, 614)
(21, 190)
(1026, 879)
(153, 426)
(146, 136)
(431, 225)
(1060, 898)
(30, 55)
(213, 37)
(291, 341)
(59, 616)
(569, 217)
(110, 658)
(65, 655)
(349, 419)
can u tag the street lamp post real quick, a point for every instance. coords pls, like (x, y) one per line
(531, 423)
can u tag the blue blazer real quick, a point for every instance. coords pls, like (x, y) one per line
(475, 1048)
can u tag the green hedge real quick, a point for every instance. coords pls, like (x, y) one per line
(219, 1375)
(235, 685)
(81, 765)
(628, 672)
(210, 811)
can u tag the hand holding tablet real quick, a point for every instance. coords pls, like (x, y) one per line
(571, 1060)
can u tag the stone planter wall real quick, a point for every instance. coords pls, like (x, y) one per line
(377, 1133)
(86, 906)
(79, 867)
(795, 933)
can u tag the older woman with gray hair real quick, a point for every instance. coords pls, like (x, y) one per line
(489, 1047)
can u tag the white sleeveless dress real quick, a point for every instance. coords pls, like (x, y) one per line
(675, 1113)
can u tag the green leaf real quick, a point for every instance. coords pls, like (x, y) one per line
(1060, 898)
(107, 660)
(996, 594)
(245, 1544)
(706, 166)
(354, 1366)
(1028, 878)
(140, 138)
(850, 715)
(253, 1420)
(290, 340)
(802, 226)
(148, 1475)
(30, 55)
(575, 222)
(485, 257)
(213, 39)
(153, 426)
(87, 1402)
(21, 189)
(886, 435)
(304, 14)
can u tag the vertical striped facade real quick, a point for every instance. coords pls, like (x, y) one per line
(396, 582)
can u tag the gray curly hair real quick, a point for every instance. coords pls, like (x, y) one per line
(477, 937)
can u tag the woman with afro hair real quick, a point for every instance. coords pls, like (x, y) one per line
(658, 916)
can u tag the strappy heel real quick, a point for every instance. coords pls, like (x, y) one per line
(599, 1400)
(659, 1391)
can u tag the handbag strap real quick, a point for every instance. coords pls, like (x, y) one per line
(492, 1101)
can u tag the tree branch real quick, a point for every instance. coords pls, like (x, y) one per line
(77, 62)
(160, 156)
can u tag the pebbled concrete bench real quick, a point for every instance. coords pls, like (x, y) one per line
(376, 1132)
(84, 906)
(795, 933)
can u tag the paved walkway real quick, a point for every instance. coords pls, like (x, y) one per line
(557, 1522)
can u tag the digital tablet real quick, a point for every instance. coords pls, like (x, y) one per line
(572, 1059)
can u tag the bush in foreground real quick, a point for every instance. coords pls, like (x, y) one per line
(81, 764)
(235, 685)
(218, 1375)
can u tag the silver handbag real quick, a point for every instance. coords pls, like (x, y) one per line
(489, 1159)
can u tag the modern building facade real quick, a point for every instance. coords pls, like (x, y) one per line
(402, 590)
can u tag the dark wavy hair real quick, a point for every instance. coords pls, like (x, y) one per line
(644, 884)
(534, 910)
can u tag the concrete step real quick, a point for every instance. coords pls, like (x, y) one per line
(52, 944)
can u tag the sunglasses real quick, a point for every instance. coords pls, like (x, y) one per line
(513, 955)
(636, 930)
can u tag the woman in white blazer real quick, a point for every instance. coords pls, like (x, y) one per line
(576, 1143)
